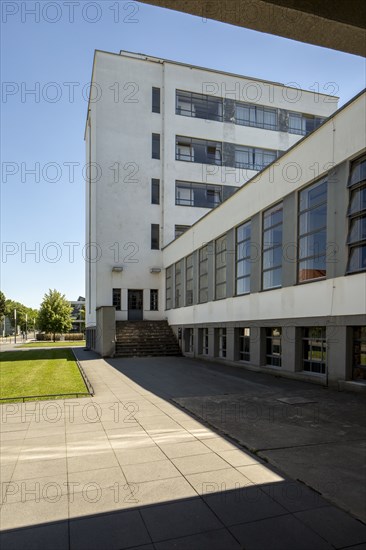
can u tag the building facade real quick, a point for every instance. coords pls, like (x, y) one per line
(274, 279)
(166, 143)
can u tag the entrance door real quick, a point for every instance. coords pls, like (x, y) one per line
(135, 303)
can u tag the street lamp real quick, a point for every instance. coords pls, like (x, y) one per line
(26, 326)
(15, 323)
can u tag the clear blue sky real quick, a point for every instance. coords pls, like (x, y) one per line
(46, 132)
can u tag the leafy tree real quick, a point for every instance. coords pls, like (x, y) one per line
(10, 306)
(55, 314)
(2, 304)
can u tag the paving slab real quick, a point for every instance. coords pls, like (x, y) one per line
(178, 519)
(162, 474)
(279, 533)
(213, 540)
(113, 531)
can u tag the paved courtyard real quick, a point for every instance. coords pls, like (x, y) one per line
(145, 463)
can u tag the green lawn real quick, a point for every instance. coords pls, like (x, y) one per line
(67, 344)
(39, 373)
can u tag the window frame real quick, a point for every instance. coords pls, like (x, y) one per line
(155, 236)
(117, 298)
(244, 242)
(221, 268)
(273, 247)
(155, 146)
(154, 299)
(189, 279)
(155, 191)
(307, 234)
(205, 100)
(308, 339)
(358, 215)
(201, 289)
(156, 100)
(256, 110)
(169, 289)
(178, 283)
(361, 342)
(243, 338)
(269, 343)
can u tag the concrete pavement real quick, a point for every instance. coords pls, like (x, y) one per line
(129, 468)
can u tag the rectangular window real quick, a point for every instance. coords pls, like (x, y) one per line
(203, 275)
(199, 105)
(201, 195)
(272, 248)
(243, 263)
(244, 344)
(356, 239)
(116, 298)
(256, 116)
(314, 349)
(180, 229)
(273, 346)
(154, 299)
(189, 280)
(298, 123)
(205, 341)
(169, 287)
(312, 232)
(155, 191)
(155, 238)
(220, 267)
(178, 283)
(155, 146)
(156, 100)
(359, 354)
(221, 342)
(198, 150)
(253, 158)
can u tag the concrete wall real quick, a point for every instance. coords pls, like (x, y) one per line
(105, 331)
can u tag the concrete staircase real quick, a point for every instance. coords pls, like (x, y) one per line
(145, 338)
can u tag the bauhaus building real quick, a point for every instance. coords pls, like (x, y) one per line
(235, 209)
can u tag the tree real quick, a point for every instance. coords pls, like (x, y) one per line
(55, 314)
(2, 304)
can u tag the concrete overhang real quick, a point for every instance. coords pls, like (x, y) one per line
(336, 24)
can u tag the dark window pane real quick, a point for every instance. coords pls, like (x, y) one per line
(357, 230)
(156, 100)
(155, 244)
(358, 172)
(155, 191)
(116, 298)
(357, 260)
(358, 201)
(156, 146)
(154, 300)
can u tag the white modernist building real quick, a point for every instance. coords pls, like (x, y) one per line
(167, 143)
(233, 208)
(274, 279)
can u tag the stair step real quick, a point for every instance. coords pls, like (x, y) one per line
(145, 338)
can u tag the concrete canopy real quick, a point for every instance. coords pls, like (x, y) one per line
(336, 24)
